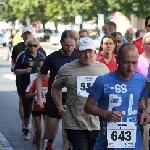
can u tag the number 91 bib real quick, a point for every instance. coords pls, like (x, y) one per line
(121, 135)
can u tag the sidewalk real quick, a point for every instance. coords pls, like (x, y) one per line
(4, 144)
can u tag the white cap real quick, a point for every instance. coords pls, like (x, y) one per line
(86, 43)
(26, 30)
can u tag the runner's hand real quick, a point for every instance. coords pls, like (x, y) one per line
(40, 103)
(62, 110)
(28, 70)
(12, 68)
(145, 118)
(114, 116)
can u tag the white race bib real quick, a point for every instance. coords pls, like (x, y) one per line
(44, 93)
(33, 76)
(84, 82)
(121, 135)
(64, 89)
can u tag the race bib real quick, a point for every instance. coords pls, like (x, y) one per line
(44, 93)
(64, 89)
(84, 82)
(121, 135)
(33, 76)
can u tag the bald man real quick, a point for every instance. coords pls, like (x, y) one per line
(117, 98)
(129, 35)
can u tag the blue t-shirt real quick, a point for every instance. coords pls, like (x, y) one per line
(52, 63)
(115, 94)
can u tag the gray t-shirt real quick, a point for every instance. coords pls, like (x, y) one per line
(76, 78)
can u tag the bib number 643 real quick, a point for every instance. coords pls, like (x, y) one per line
(121, 135)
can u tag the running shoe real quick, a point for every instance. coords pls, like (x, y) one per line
(26, 134)
(50, 146)
(44, 143)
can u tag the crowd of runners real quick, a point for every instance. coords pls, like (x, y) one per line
(103, 98)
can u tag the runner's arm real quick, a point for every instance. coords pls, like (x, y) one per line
(38, 87)
(145, 117)
(147, 104)
(28, 95)
(141, 105)
(91, 108)
(57, 97)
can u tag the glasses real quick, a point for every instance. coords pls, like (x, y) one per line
(33, 45)
(148, 25)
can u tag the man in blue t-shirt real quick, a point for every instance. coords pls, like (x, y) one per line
(118, 94)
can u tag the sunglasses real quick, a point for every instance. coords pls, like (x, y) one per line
(33, 45)
(148, 25)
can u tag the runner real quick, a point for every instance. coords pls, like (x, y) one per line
(118, 41)
(26, 34)
(147, 24)
(140, 33)
(52, 63)
(37, 112)
(142, 68)
(117, 96)
(108, 28)
(138, 42)
(129, 35)
(25, 66)
(82, 129)
(106, 56)
(83, 33)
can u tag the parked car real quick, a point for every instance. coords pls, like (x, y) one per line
(55, 38)
(43, 35)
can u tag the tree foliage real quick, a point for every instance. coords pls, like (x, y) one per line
(66, 10)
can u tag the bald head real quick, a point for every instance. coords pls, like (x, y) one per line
(129, 35)
(127, 60)
(130, 30)
(127, 47)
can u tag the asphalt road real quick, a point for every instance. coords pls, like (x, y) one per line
(10, 123)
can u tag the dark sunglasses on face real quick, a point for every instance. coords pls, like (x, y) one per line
(33, 45)
(148, 25)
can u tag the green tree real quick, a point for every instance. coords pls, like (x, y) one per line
(65, 10)
(139, 8)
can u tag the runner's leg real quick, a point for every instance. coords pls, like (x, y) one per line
(64, 136)
(38, 127)
(78, 139)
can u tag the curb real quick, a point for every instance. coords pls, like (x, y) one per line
(4, 143)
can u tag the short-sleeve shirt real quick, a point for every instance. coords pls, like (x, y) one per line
(142, 67)
(23, 61)
(68, 76)
(52, 63)
(31, 90)
(17, 49)
(115, 94)
(139, 45)
(112, 65)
